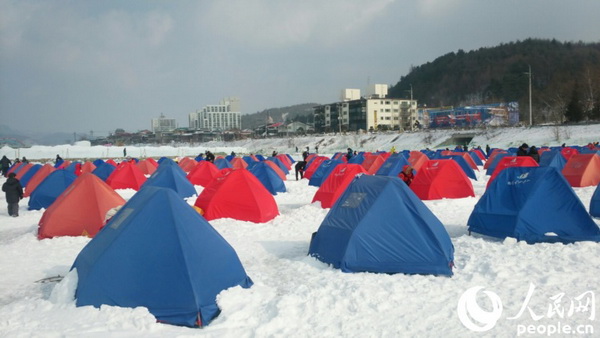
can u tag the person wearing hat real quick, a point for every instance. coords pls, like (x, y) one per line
(407, 174)
(14, 193)
(523, 150)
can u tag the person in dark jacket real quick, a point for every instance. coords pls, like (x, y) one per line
(210, 157)
(14, 193)
(349, 154)
(533, 153)
(523, 150)
(406, 174)
(300, 166)
(5, 163)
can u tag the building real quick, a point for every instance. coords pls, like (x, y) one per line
(373, 112)
(223, 116)
(163, 124)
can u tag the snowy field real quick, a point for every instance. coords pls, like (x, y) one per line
(545, 289)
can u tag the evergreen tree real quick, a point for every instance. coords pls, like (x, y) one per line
(574, 112)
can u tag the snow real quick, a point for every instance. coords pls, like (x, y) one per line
(296, 295)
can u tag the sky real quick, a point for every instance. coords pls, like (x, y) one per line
(81, 66)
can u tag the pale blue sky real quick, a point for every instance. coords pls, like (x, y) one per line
(78, 65)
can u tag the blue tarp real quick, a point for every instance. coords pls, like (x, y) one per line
(49, 189)
(158, 252)
(532, 204)
(393, 165)
(172, 177)
(267, 176)
(323, 171)
(380, 225)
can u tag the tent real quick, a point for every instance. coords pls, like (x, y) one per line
(36, 179)
(74, 167)
(379, 225)
(582, 170)
(203, 173)
(159, 253)
(335, 184)
(324, 169)
(126, 176)
(490, 159)
(357, 159)
(50, 188)
(15, 168)
(595, 203)
(238, 163)
(147, 167)
(460, 160)
(170, 176)
(187, 164)
(393, 165)
(22, 170)
(87, 167)
(532, 204)
(417, 159)
(239, 195)
(29, 174)
(268, 177)
(511, 162)
(80, 210)
(554, 159)
(568, 152)
(493, 161)
(439, 179)
(222, 163)
(104, 170)
(280, 164)
(312, 165)
(474, 155)
(276, 168)
(372, 163)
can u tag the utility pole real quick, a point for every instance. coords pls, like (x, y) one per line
(530, 109)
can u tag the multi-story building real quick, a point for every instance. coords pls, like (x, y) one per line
(223, 116)
(374, 112)
(163, 124)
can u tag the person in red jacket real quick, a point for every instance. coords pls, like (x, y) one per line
(407, 174)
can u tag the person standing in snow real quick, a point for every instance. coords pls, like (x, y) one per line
(5, 163)
(300, 166)
(14, 193)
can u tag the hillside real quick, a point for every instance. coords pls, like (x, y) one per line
(299, 112)
(500, 74)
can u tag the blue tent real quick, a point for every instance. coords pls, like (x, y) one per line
(322, 172)
(97, 162)
(380, 225)
(475, 157)
(160, 160)
(553, 158)
(267, 176)
(158, 252)
(290, 157)
(222, 163)
(259, 157)
(29, 174)
(532, 204)
(58, 163)
(229, 157)
(393, 165)
(463, 165)
(175, 166)
(358, 158)
(248, 159)
(104, 170)
(72, 167)
(172, 177)
(279, 164)
(49, 189)
(495, 161)
(594, 203)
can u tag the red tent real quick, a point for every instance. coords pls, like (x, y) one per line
(467, 158)
(335, 184)
(87, 167)
(64, 164)
(285, 160)
(238, 163)
(489, 161)
(147, 167)
(567, 152)
(126, 176)
(203, 174)
(111, 161)
(24, 169)
(15, 167)
(278, 170)
(439, 179)
(479, 153)
(512, 161)
(238, 195)
(314, 165)
(417, 159)
(187, 164)
(582, 170)
(36, 179)
(376, 163)
(80, 210)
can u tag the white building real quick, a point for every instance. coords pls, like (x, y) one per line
(163, 124)
(223, 116)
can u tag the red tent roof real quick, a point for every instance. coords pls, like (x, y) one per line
(582, 170)
(126, 176)
(80, 210)
(512, 161)
(439, 179)
(335, 184)
(36, 179)
(203, 173)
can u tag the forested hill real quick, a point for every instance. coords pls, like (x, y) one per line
(500, 74)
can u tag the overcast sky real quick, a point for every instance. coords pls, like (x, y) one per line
(78, 65)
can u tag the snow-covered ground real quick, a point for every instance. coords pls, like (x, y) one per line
(295, 295)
